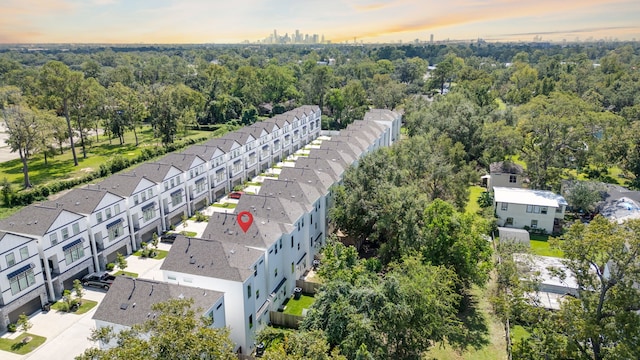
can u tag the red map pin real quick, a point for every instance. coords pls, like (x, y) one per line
(244, 225)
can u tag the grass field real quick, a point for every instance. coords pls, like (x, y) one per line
(540, 246)
(61, 165)
(160, 254)
(86, 306)
(474, 193)
(295, 307)
(126, 273)
(486, 341)
(16, 345)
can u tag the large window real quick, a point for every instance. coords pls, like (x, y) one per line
(504, 206)
(22, 281)
(149, 213)
(76, 228)
(74, 253)
(533, 209)
(115, 231)
(220, 176)
(534, 224)
(54, 238)
(200, 186)
(176, 198)
(99, 217)
(508, 222)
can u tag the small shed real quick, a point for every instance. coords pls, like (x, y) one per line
(519, 236)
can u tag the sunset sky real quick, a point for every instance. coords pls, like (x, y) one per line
(218, 21)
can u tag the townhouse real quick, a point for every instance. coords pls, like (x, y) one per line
(106, 221)
(59, 251)
(142, 205)
(256, 270)
(130, 301)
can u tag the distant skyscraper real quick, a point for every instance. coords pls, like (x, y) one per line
(297, 40)
(431, 39)
(275, 36)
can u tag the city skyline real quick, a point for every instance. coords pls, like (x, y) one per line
(198, 21)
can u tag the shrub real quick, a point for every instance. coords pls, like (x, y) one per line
(12, 327)
(110, 266)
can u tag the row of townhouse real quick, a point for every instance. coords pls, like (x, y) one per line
(44, 247)
(256, 270)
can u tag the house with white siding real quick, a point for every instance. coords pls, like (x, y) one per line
(130, 301)
(194, 175)
(22, 286)
(531, 209)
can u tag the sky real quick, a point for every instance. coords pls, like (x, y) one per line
(234, 21)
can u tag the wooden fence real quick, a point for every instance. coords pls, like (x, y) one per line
(286, 320)
(308, 287)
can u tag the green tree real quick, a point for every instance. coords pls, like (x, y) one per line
(583, 196)
(59, 85)
(23, 323)
(177, 332)
(78, 289)
(6, 191)
(121, 262)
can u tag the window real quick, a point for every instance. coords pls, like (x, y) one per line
(508, 222)
(115, 231)
(22, 281)
(513, 179)
(255, 270)
(54, 238)
(293, 268)
(258, 294)
(292, 241)
(249, 291)
(11, 259)
(250, 321)
(504, 206)
(280, 243)
(559, 209)
(74, 253)
(220, 176)
(200, 186)
(116, 208)
(276, 273)
(108, 213)
(173, 183)
(171, 277)
(176, 198)
(544, 210)
(76, 228)
(150, 193)
(533, 209)
(24, 253)
(99, 217)
(534, 224)
(135, 199)
(299, 246)
(65, 233)
(149, 213)
(166, 185)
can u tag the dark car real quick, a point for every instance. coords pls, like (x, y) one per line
(168, 238)
(235, 195)
(98, 279)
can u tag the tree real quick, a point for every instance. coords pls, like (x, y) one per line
(602, 322)
(59, 84)
(177, 332)
(129, 107)
(24, 129)
(299, 345)
(583, 196)
(173, 109)
(121, 262)
(6, 191)
(78, 289)
(23, 323)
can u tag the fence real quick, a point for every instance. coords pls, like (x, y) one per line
(286, 320)
(308, 287)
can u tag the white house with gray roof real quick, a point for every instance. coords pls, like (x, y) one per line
(22, 286)
(534, 209)
(194, 174)
(130, 301)
(62, 241)
(142, 204)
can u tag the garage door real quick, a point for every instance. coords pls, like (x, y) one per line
(68, 284)
(114, 254)
(28, 308)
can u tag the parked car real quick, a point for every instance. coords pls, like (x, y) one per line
(100, 279)
(168, 238)
(235, 195)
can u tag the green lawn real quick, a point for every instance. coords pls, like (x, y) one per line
(225, 205)
(474, 193)
(294, 307)
(126, 273)
(17, 347)
(61, 165)
(160, 254)
(486, 341)
(540, 246)
(189, 233)
(86, 306)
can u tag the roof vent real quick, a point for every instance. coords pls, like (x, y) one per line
(124, 306)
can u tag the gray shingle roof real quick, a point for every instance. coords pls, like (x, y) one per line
(33, 219)
(81, 200)
(122, 184)
(338, 144)
(381, 114)
(155, 172)
(204, 151)
(225, 144)
(505, 167)
(261, 234)
(322, 180)
(292, 190)
(182, 161)
(211, 258)
(271, 207)
(128, 301)
(333, 167)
